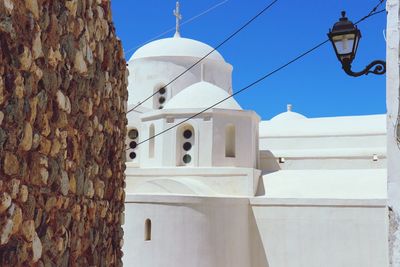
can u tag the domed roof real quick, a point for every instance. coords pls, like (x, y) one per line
(202, 95)
(288, 115)
(176, 47)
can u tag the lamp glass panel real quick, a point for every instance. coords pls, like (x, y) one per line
(356, 45)
(344, 43)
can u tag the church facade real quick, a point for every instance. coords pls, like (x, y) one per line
(220, 187)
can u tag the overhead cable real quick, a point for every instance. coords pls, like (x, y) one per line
(254, 82)
(205, 56)
(239, 91)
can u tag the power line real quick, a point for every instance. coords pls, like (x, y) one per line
(255, 82)
(370, 15)
(241, 90)
(183, 23)
(373, 12)
(374, 9)
(213, 50)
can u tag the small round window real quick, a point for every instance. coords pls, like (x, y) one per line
(161, 100)
(133, 134)
(187, 158)
(187, 134)
(162, 91)
(133, 144)
(187, 146)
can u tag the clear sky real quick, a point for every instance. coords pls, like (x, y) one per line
(316, 86)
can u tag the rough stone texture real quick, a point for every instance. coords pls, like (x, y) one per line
(393, 127)
(62, 116)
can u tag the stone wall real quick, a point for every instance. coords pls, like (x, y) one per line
(62, 127)
(393, 128)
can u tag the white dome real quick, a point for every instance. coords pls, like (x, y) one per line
(288, 115)
(202, 95)
(176, 47)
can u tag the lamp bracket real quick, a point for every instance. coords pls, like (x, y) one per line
(377, 67)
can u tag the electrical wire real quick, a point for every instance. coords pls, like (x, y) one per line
(241, 90)
(373, 12)
(375, 8)
(255, 82)
(212, 51)
(370, 15)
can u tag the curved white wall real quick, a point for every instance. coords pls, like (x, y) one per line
(147, 74)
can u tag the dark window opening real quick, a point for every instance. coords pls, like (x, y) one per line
(162, 91)
(187, 146)
(161, 100)
(133, 134)
(187, 134)
(147, 230)
(133, 144)
(230, 141)
(187, 158)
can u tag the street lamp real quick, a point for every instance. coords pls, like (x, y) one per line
(345, 37)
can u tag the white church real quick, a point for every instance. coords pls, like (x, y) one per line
(222, 188)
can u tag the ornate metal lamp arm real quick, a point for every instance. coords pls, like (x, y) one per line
(377, 67)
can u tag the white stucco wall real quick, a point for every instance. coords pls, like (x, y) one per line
(322, 184)
(354, 142)
(260, 232)
(322, 232)
(246, 128)
(392, 83)
(187, 231)
(208, 146)
(192, 181)
(270, 162)
(166, 147)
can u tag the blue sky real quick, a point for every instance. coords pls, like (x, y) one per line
(316, 86)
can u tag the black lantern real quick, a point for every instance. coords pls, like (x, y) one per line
(345, 37)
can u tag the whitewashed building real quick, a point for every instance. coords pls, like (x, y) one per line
(223, 188)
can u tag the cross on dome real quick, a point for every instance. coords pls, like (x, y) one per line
(178, 16)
